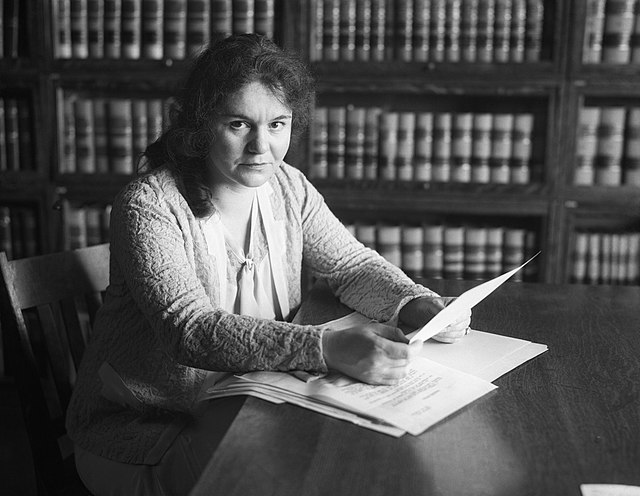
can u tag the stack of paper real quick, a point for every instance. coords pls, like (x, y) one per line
(442, 380)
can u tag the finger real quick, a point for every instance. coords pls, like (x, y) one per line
(391, 333)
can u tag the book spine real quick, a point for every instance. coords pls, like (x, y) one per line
(155, 119)
(453, 259)
(175, 29)
(3, 138)
(632, 148)
(420, 30)
(105, 223)
(437, 30)
(347, 31)
(618, 26)
(320, 164)
(617, 258)
(363, 30)
(67, 137)
(139, 127)
(389, 30)
(371, 142)
(531, 271)
(406, 144)
(378, 29)
(85, 144)
(481, 147)
(486, 20)
(403, 43)
(502, 31)
(452, 30)
(579, 265)
(78, 14)
(518, 31)
(501, 148)
(635, 37)
(120, 136)
(264, 17)
(6, 244)
(366, 234)
(331, 30)
(75, 226)
(494, 251)
(433, 248)
(101, 135)
(388, 142)
(412, 255)
(475, 252)
(442, 128)
(605, 258)
(354, 142)
(633, 260)
(389, 243)
(513, 251)
(198, 25)
(130, 33)
(586, 145)
(593, 31)
(12, 134)
(244, 16)
(522, 132)
(462, 142)
(336, 137)
(316, 43)
(533, 30)
(92, 225)
(152, 15)
(221, 19)
(95, 28)
(610, 146)
(61, 19)
(469, 31)
(25, 135)
(423, 146)
(17, 238)
(112, 25)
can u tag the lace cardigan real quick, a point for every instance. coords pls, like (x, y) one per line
(161, 329)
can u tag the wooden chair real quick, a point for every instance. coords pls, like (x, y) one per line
(48, 306)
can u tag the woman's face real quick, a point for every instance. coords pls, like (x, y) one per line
(252, 136)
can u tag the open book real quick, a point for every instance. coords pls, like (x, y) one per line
(442, 380)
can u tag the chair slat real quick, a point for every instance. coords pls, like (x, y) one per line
(74, 329)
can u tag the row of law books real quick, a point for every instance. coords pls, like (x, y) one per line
(16, 146)
(84, 225)
(452, 251)
(483, 31)
(606, 258)
(107, 135)
(152, 29)
(371, 143)
(608, 146)
(18, 231)
(12, 29)
(612, 32)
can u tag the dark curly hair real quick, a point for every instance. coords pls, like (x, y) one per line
(218, 72)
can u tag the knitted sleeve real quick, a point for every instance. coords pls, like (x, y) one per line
(359, 276)
(152, 247)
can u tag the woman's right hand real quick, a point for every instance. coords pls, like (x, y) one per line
(373, 353)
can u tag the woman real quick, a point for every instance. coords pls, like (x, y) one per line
(205, 275)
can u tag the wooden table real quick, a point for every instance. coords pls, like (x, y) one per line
(570, 416)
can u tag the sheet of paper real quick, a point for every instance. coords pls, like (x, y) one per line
(483, 354)
(429, 393)
(609, 490)
(466, 300)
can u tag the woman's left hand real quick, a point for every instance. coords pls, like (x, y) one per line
(418, 312)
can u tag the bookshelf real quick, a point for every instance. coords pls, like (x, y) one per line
(436, 82)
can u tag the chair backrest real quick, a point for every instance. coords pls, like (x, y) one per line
(49, 303)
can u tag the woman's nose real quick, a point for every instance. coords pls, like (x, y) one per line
(259, 142)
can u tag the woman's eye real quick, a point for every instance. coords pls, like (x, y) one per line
(238, 124)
